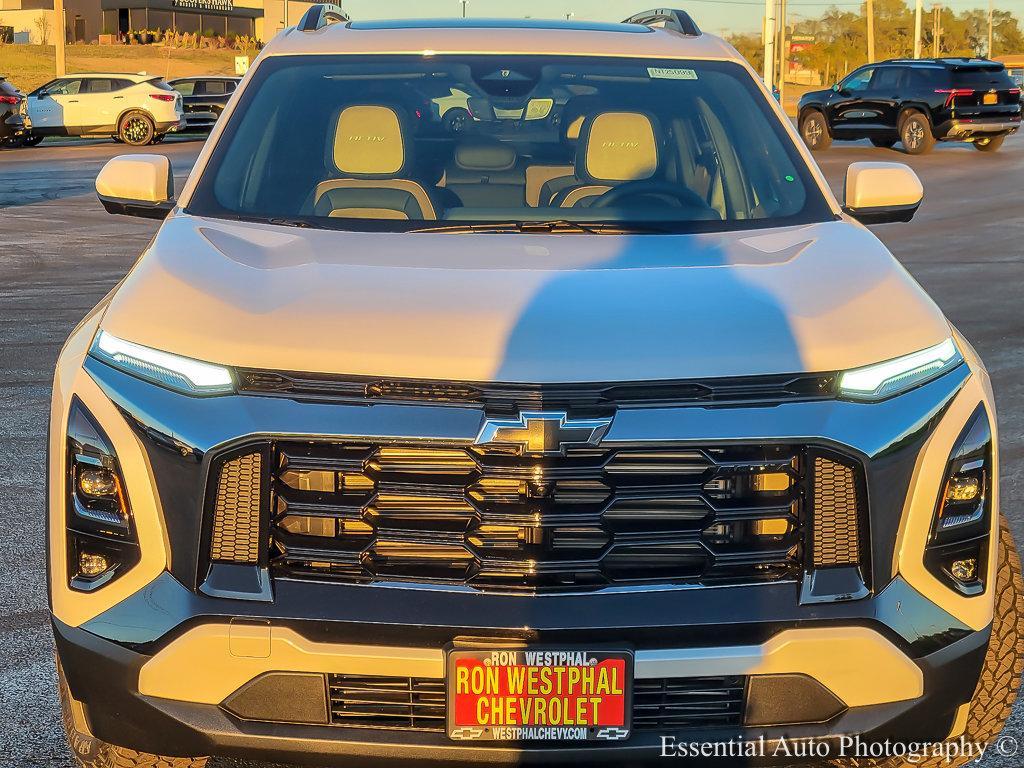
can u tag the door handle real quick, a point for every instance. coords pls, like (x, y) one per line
(72, 101)
(118, 97)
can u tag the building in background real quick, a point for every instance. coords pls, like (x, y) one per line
(33, 21)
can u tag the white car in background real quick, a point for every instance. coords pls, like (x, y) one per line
(135, 109)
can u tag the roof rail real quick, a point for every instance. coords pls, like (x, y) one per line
(669, 18)
(320, 15)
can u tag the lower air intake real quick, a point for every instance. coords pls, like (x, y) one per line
(236, 511)
(836, 514)
(406, 703)
(688, 703)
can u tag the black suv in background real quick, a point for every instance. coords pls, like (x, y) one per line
(12, 114)
(916, 102)
(204, 98)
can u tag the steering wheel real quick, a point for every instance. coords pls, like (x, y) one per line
(675, 195)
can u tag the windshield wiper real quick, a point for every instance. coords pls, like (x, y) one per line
(290, 223)
(542, 227)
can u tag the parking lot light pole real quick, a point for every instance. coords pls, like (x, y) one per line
(871, 30)
(918, 11)
(769, 43)
(60, 65)
(990, 9)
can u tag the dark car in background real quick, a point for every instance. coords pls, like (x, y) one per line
(916, 102)
(204, 99)
(13, 120)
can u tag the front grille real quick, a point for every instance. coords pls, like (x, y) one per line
(837, 540)
(361, 701)
(499, 397)
(685, 703)
(489, 518)
(236, 510)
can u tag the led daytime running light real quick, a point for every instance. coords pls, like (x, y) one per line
(882, 380)
(183, 374)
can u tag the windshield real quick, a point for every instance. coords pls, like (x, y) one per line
(413, 143)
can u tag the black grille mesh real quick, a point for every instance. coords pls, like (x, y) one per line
(362, 701)
(496, 520)
(837, 512)
(682, 703)
(236, 511)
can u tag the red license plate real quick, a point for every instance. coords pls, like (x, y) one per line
(539, 695)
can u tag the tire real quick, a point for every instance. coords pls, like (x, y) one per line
(814, 131)
(884, 143)
(136, 129)
(31, 140)
(989, 143)
(455, 120)
(993, 698)
(90, 752)
(916, 134)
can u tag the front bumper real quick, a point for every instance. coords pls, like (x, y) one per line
(913, 648)
(106, 678)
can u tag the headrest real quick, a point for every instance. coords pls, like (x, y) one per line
(370, 142)
(618, 146)
(485, 156)
(575, 113)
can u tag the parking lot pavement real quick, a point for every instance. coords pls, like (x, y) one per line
(60, 253)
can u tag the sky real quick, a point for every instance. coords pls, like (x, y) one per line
(716, 16)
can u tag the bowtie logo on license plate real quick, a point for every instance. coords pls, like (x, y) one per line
(544, 433)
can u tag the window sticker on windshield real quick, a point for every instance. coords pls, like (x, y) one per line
(669, 73)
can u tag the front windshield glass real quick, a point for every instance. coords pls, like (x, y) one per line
(415, 142)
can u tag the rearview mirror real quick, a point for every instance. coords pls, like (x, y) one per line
(137, 185)
(880, 193)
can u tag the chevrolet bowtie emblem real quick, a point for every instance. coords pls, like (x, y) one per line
(547, 433)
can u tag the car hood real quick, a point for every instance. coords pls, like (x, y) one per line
(524, 307)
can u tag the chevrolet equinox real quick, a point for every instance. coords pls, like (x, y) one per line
(587, 422)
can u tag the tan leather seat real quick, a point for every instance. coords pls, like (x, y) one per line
(614, 148)
(372, 153)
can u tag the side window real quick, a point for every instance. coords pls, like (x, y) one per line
(185, 87)
(859, 80)
(215, 88)
(120, 85)
(65, 87)
(98, 85)
(888, 79)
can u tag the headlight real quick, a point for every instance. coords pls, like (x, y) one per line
(882, 380)
(182, 374)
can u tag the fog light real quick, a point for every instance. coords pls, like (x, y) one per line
(97, 482)
(964, 571)
(91, 564)
(963, 488)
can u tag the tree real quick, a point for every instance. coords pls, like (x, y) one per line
(42, 24)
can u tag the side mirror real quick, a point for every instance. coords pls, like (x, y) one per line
(137, 185)
(42, 95)
(836, 87)
(880, 193)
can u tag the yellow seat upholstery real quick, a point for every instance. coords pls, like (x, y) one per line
(614, 148)
(372, 153)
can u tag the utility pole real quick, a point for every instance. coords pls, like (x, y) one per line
(990, 9)
(783, 51)
(918, 10)
(464, 4)
(60, 35)
(871, 30)
(936, 29)
(769, 43)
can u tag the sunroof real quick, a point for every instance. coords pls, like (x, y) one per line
(589, 26)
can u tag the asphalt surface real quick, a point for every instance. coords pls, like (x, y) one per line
(60, 253)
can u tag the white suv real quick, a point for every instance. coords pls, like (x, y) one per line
(135, 109)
